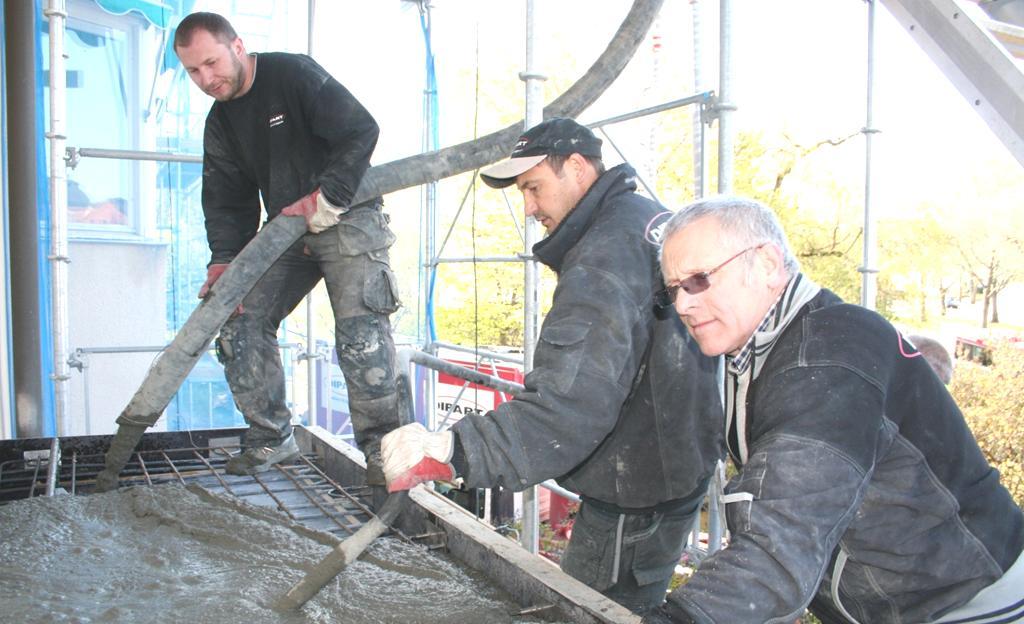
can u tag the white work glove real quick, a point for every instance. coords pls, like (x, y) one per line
(319, 213)
(413, 455)
(327, 215)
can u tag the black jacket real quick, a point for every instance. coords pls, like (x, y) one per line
(864, 489)
(620, 407)
(297, 129)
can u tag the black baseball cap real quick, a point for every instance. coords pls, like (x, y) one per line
(554, 136)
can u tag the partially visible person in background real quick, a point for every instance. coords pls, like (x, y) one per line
(936, 356)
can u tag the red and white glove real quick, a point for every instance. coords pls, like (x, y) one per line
(320, 214)
(413, 455)
(213, 273)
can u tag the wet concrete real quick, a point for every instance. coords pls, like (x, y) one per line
(174, 554)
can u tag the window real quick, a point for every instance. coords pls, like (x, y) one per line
(102, 113)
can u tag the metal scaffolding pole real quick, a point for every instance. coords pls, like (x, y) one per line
(311, 355)
(725, 105)
(700, 153)
(530, 535)
(723, 111)
(57, 136)
(869, 270)
(74, 154)
(425, 326)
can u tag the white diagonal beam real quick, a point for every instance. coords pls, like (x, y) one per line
(957, 41)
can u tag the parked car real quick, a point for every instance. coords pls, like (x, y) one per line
(974, 350)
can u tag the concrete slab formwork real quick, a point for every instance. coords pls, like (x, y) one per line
(322, 491)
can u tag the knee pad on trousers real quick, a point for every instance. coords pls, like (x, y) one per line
(366, 354)
(372, 419)
(231, 342)
(224, 349)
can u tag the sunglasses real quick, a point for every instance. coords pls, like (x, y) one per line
(696, 283)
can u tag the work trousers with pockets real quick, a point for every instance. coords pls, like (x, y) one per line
(628, 557)
(352, 258)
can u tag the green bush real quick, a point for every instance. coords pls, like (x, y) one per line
(993, 404)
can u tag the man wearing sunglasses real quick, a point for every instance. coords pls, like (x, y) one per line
(861, 492)
(620, 407)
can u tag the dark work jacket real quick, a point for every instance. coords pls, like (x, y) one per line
(296, 129)
(864, 489)
(620, 407)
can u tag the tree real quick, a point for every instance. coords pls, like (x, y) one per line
(988, 239)
(481, 303)
(820, 218)
(917, 259)
(991, 271)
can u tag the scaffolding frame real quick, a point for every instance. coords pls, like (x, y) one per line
(711, 108)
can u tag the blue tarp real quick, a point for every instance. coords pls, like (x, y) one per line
(48, 425)
(157, 13)
(164, 15)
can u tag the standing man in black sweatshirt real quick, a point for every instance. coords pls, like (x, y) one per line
(283, 131)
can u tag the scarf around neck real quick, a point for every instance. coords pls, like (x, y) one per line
(742, 370)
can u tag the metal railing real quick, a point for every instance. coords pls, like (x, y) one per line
(712, 510)
(80, 361)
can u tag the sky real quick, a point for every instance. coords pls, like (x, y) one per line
(799, 70)
(930, 138)
(798, 65)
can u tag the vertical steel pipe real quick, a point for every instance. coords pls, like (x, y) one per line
(725, 104)
(57, 137)
(53, 468)
(869, 270)
(530, 535)
(311, 350)
(700, 184)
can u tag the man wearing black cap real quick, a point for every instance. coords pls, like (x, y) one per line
(618, 405)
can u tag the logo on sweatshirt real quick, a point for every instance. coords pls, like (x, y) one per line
(276, 120)
(655, 229)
